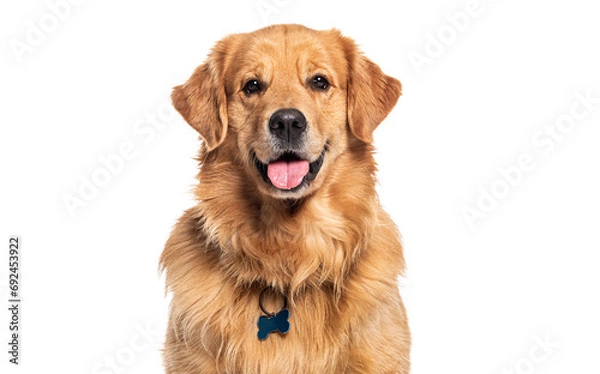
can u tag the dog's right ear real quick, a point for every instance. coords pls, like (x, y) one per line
(202, 100)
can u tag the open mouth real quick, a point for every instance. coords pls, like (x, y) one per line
(289, 172)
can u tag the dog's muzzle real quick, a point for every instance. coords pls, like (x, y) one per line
(289, 169)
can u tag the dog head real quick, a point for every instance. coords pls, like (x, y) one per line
(285, 102)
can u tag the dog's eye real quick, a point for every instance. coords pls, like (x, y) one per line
(319, 83)
(253, 86)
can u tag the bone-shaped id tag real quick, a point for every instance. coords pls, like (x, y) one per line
(272, 322)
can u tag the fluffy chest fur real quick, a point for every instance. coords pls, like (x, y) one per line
(215, 306)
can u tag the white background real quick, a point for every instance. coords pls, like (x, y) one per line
(480, 297)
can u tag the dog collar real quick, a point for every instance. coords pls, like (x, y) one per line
(272, 322)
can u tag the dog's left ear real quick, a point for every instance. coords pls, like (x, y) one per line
(202, 100)
(371, 93)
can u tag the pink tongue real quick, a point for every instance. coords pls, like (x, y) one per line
(287, 175)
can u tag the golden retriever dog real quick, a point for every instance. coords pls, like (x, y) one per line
(287, 263)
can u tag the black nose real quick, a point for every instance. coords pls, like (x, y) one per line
(287, 124)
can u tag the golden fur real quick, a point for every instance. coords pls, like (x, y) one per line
(329, 246)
